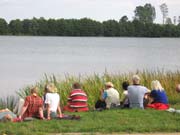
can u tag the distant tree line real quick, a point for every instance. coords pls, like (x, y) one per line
(141, 26)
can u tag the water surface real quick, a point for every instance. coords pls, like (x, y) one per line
(24, 60)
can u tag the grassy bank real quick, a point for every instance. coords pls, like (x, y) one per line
(109, 121)
(94, 83)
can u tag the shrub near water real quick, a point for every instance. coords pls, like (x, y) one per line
(94, 83)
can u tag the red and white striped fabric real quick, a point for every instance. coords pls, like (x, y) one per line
(77, 101)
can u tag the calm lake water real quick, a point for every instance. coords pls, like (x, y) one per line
(24, 60)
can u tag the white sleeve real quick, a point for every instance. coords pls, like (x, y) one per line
(47, 101)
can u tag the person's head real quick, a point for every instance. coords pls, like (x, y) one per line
(109, 85)
(178, 88)
(50, 88)
(76, 85)
(136, 79)
(125, 85)
(156, 85)
(34, 90)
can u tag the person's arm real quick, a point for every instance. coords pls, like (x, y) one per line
(69, 99)
(104, 96)
(147, 93)
(125, 94)
(23, 111)
(48, 112)
(47, 104)
(41, 113)
(59, 111)
(24, 108)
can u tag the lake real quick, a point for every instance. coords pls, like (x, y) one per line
(25, 59)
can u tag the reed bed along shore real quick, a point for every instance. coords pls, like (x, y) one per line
(92, 85)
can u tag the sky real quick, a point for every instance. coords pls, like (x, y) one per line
(99, 10)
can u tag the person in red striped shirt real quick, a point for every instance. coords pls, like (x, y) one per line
(77, 100)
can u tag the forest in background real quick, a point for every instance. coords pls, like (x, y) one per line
(142, 25)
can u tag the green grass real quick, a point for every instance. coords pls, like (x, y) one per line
(109, 121)
(121, 121)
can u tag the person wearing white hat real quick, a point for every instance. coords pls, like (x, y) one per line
(110, 96)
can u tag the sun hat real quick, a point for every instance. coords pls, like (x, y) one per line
(110, 84)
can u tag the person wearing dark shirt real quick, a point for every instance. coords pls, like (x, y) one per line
(158, 96)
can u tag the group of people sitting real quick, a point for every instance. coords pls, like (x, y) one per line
(48, 107)
(134, 96)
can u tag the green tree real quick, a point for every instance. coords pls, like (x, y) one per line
(139, 28)
(126, 28)
(111, 28)
(52, 26)
(164, 11)
(43, 28)
(3, 27)
(30, 27)
(124, 19)
(145, 14)
(89, 27)
(15, 27)
(62, 27)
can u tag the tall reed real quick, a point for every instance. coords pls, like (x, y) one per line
(92, 84)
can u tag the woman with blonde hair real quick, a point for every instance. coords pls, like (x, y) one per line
(158, 96)
(52, 101)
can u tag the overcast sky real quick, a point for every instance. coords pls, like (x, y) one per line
(99, 10)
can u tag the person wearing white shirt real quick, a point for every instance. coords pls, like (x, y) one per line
(52, 102)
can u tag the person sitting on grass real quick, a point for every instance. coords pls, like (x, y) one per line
(32, 107)
(136, 93)
(158, 97)
(77, 100)
(6, 115)
(110, 95)
(125, 101)
(52, 102)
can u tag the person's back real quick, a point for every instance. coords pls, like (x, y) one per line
(159, 100)
(53, 100)
(32, 105)
(77, 100)
(159, 96)
(136, 94)
(112, 97)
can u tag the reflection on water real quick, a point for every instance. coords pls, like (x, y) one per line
(24, 60)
